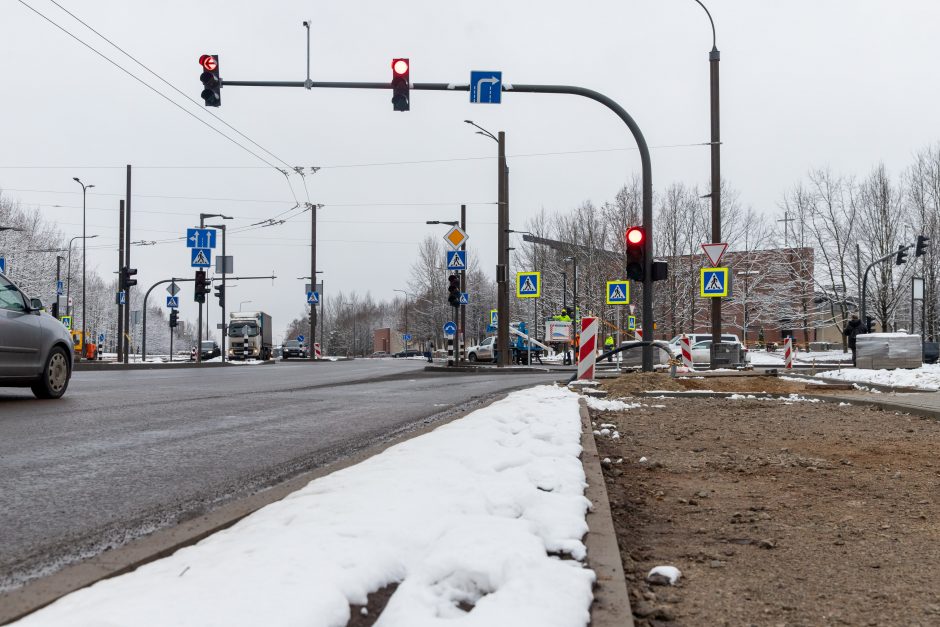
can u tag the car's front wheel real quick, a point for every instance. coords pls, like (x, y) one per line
(55, 375)
(472, 357)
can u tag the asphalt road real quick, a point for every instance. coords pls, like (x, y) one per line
(128, 452)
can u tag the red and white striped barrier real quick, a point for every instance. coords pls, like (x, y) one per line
(587, 350)
(788, 352)
(316, 350)
(639, 334)
(686, 346)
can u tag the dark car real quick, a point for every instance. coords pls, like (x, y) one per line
(210, 350)
(35, 348)
(294, 348)
(408, 353)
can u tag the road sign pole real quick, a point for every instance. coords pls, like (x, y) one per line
(462, 330)
(713, 58)
(202, 225)
(502, 295)
(311, 354)
(127, 263)
(120, 308)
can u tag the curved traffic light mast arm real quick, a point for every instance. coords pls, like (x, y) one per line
(645, 162)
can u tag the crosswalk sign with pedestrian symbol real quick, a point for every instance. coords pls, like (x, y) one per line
(618, 292)
(715, 283)
(456, 260)
(528, 284)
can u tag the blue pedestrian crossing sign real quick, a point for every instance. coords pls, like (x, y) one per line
(715, 283)
(200, 238)
(528, 284)
(201, 257)
(494, 319)
(313, 298)
(456, 260)
(464, 298)
(67, 321)
(631, 323)
(59, 288)
(122, 298)
(173, 302)
(486, 87)
(450, 328)
(618, 292)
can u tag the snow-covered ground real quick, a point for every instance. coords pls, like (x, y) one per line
(476, 511)
(763, 358)
(926, 377)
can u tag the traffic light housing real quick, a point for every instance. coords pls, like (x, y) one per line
(921, 247)
(202, 287)
(211, 81)
(902, 255)
(220, 294)
(453, 290)
(636, 253)
(401, 85)
(869, 324)
(126, 280)
(174, 318)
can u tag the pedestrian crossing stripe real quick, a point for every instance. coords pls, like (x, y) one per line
(528, 285)
(457, 260)
(714, 283)
(618, 293)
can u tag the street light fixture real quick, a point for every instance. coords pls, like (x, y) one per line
(68, 278)
(243, 303)
(447, 222)
(85, 189)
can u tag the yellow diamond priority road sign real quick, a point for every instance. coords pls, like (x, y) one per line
(456, 236)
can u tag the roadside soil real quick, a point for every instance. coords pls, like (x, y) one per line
(776, 512)
(635, 383)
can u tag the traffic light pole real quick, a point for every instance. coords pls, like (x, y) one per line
(904, 248)
(462, 320)
(713, 58)
(311, 352)
(202, 225)
(143, 333)
(645, 161)
(127, 264)
(120, 312)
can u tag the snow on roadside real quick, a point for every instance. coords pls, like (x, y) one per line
(926, 377)
(602, 404)
(467, 513)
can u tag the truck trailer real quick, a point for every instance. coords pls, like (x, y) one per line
(249, 335)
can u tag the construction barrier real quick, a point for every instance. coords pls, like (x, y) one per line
(686, 346)
(587, 349)
(788, 352)
(316, 350)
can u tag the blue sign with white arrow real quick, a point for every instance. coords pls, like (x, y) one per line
(300, 338)
(486, 87)
(201, 257)
(456, 260)
(200, 238)
(464, 298)
(313, 298)
(450, 328)
(173, 302)
(101, 338)
(3, 264)
(406, 337)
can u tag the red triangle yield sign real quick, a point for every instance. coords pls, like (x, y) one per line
(714, 252)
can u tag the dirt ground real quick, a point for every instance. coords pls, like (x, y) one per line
(776, 512)
(641, 382)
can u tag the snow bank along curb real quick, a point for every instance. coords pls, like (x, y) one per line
(476, 512)
(611, 606)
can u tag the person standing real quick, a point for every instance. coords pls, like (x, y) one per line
(852, 330)
(429, 351)
(609, 346)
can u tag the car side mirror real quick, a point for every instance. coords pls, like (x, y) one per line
(35, 305)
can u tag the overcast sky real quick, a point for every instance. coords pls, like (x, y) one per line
(804, 83)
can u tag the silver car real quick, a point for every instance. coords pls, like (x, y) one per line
(35, 348)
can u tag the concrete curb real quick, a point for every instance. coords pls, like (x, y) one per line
(486, 370)
(893, 403)
(611, 606)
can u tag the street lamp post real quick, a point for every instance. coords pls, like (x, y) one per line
(406, 317)
(85, 189)
(502, 261)
(222, 304)
(202, 225)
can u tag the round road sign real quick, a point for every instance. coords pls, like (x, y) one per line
(300, 338)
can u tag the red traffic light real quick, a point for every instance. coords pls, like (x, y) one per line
(635, 235)
(208, 62)
(400, 67)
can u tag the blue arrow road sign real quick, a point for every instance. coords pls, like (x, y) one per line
(300, 338)
(313, 298)
(101, 338)
(450, 328)
(464, 298)
(201, 257)
(59, 288)
(456, 260)
(486, 87)
(406, 337)
(200, 238)
(173, 302)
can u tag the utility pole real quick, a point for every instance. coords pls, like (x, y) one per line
(462, 321)
(127, 263)
(714, 56)
(502, 274)
(311, 353)
(120, 308)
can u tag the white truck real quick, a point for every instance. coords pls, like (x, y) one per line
(249, 335)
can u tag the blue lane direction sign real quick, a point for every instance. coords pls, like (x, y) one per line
(200, 238)
(456, 260)
(464, 298)
(201, 257)
(486, 87)
(313, 298)
(406, 337)
(450, 328)
(173, 302)
(300, 338)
